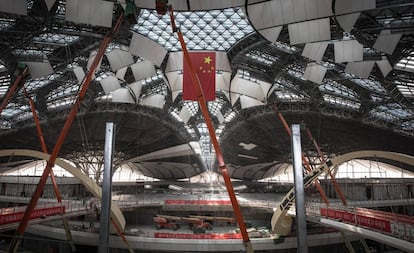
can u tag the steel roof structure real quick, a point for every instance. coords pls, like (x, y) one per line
(271, 54)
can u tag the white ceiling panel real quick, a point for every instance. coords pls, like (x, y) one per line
(348, 21)
(92, 12)
(175, 85)
(246, 87)
(271, 34)
(247, 102)
(120, 73)
(220, 117)
(315, 73)
(175, 94)
(268, 14)
(259, 15)
(309, 31)
(387, 42)
(119, 58)
(156, 100)
(234, 97)
(348, 51)
(146, 48)
(223, 81)
(143, 69)
(79, 73)
(185, 114)
(362, 69)
(135, 88)
(110, 84)
(184, 5)
(122, 96)
(222, 62)
(384, 66)
(349, 6)
(175, 62)
(315, 51)
(18, 7)
(50, 3)
(265, 88)
(214, 4)
(92, 55)
(40, 69)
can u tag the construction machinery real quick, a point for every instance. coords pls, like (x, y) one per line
(161, 222)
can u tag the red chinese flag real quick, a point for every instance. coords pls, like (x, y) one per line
(204, 64)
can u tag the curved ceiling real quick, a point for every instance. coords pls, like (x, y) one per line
(344, 70)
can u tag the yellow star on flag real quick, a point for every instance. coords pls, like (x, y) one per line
(207, 59)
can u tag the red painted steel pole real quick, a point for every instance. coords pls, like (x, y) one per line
(322, 158)
(304, 160)
(203, 106)
(13, 89)
(14, 244)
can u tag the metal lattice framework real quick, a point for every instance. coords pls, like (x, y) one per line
(344, 110)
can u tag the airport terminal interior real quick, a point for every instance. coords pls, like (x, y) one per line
(207, 126)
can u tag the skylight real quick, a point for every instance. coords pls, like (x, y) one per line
(331, 86)
(406, 63)
(53, 38)
(407, 89)
(341, 102)
(214, 30)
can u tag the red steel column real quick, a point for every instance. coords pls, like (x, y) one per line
(304, 160)
(13, 89)
(14, 244)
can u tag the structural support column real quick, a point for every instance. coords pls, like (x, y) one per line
(299, 190)
(106, 189)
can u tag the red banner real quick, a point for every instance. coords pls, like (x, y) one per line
(37, 213)
(198, 236)
(204, 65)
(196, 202)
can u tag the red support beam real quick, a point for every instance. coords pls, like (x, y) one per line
(14, 244)
(323, 160)
(204, 110)
(304, 159)
(13, 89)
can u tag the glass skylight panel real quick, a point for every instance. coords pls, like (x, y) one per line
(284, 90)
(407, 89)
(285, 47)
(246, 75)
(341, 102)
(406, 63)
(202, 30)
(408, 125)
(6, 23)
(60, 39)
(64, 102)
(332, 86)
(40, 82)
(262, 57)
(175, 113)
(2, 67)
(192, 106)
(229, 116)
(288, 96)
(396, 110)
(369, 84)
(382, 115)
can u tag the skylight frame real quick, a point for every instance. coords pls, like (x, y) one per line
(215, 30)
